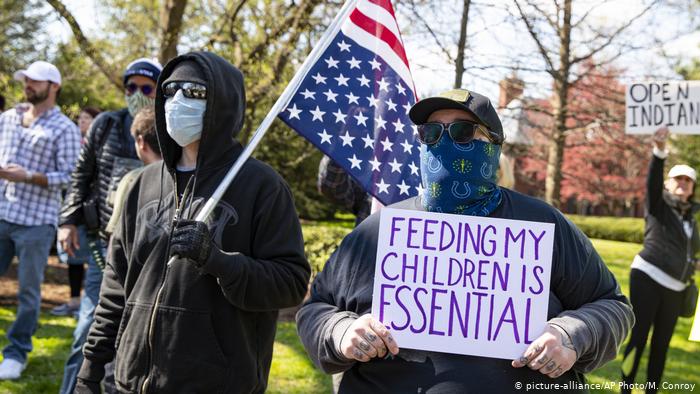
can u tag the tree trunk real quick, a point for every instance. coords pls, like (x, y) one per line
(461, 46)
(561, 97)
(170, 24)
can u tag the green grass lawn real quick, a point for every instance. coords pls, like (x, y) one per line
(293, 372)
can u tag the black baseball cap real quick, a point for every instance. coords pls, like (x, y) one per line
(476, 104)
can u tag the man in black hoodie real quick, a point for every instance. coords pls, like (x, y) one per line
(205, 323)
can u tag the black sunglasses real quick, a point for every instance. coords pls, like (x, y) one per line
(189, 89)
(461, 132)
(145, 89)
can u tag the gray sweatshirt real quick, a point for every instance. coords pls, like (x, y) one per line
(585, 302)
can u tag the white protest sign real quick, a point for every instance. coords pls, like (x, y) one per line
(654, 104)
(462, 284)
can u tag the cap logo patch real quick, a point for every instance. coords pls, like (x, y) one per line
(460, 95)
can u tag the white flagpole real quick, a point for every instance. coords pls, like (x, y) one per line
(279, 105)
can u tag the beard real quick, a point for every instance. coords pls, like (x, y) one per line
(36, 97)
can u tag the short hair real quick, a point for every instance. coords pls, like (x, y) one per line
(144, 125)
(92, 111)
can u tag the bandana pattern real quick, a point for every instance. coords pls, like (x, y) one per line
(137, 101)
(460, 178)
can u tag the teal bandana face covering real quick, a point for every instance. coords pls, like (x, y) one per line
(460, 178)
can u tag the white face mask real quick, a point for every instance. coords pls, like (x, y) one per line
(184, 118)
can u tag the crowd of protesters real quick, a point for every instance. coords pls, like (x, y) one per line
(172, 304)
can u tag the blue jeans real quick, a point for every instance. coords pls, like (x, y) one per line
(93, 280)
(31, 244)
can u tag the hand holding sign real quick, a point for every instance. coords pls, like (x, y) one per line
(366, 339)
(552, 353)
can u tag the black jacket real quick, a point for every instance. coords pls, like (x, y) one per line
(585, 301)
(104, 160)
(666, 244)
(179, 329)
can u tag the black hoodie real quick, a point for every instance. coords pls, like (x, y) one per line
(179, 328)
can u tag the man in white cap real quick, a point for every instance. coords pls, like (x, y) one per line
(38, 150)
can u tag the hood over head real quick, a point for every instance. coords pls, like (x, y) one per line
(224, 115)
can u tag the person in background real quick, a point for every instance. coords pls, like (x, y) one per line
(38, 149)
(664, 268)
(107, 155)
(144, 132)
(76, 263)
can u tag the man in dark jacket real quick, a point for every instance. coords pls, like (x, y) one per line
(205, 323)
(106, 156)
(588, 316)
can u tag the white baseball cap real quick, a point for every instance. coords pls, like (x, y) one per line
(40, 71)
(681, 170)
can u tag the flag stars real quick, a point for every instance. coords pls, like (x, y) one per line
(386, 145)
(403, 188)
(395, 166)
(373, 101)
(332, 63)
(339, 116)
(363, 80)
(379, 123)
(391, 105)
(401, 89)
(376, 164)
(320, 79)
(342, 80)
(317, 114)
(407, 147)
(308, 94)
(347, 139)
(330, 96)
(383, 85)
(398, 126)
(344, 46)
(361, 119)
(414, 168)
(419, 189)
(375, 64)
(325, 137)
(407, 107)
(354, 63)
(355, 162)
(352, 99)
(294, 112)
(369, 141)
(383, 187)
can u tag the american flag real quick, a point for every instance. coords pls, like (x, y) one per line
(353, 102)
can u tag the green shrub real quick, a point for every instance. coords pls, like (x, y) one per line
(320, 241)
(611, 228)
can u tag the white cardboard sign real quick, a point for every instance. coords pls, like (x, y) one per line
(654, 104)
(462, 284)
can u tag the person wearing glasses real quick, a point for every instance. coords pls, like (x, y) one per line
(588, 316)
(206, 322)
(106, 156)
(38, 149)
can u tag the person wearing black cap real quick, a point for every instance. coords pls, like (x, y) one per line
(205, 323)
(106, 156)
(588, 316)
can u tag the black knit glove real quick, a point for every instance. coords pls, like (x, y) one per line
(86, 387)
(191, 240)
